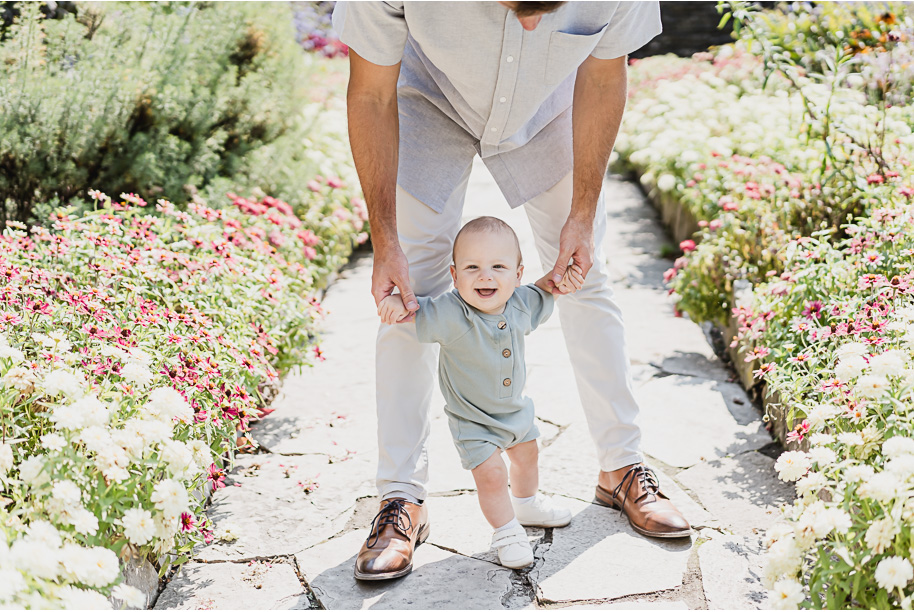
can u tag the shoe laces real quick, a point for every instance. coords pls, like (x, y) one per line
(645, 476)
(393, 513)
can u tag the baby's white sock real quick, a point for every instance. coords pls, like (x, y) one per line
(509, 525)
(520, 501)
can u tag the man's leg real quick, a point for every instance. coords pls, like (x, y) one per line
(595, 337)
(405, 368)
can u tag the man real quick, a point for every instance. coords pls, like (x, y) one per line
(433, 84)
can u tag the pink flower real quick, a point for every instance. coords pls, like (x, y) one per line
(187, 522)
(216, 476)
(334, 182)
(687, 245)
(314, 186)
(309, 252)
(766, 368)
(308, 237)
(875, 179)
(715, 224)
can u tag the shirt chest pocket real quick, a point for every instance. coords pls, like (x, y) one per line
(567, 51)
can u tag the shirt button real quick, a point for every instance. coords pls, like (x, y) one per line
(506, 382)
(503, 99)
(510, 59)
(502, 325)
(506, 353)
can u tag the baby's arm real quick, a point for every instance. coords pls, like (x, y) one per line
(572, 280)
(391, 309)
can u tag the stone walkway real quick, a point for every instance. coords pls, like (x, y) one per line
(297, 544)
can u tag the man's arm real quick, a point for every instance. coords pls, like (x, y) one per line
(600, 92)
(374, 137)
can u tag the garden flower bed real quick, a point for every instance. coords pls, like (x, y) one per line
(134, 345)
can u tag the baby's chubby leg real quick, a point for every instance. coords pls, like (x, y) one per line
(491, 478)
(531, 508)
(525, 476)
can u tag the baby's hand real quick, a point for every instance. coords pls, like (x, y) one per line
(572, 280)
(391, 309)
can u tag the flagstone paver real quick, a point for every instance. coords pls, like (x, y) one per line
(701, 434)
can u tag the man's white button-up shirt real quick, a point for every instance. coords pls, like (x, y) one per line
(458, 58)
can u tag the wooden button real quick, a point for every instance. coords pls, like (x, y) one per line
(506, 353)
(502, 325)
(506, 382)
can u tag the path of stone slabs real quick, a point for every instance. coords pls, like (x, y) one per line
(302, 506)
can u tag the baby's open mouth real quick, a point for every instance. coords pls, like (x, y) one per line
(486, 293)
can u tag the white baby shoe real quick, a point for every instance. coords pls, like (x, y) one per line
(513, 547)
(540, 512)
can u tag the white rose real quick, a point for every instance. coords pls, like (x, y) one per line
(894, 573)
(68, 416)
(102, 567)
(20, 378)
(872, 386)
(811, 484)
(61, 382)
(821, 439)
(889, 363)
(154, 430)
(820, 415)
(178, 457)
(94, 410)
(822, 455)
(137, 374)
(53, 441)
(138, 526)
(832, 519)
(31, 471)
(851, 438)
(66, 492)
(129, 439)
(132, 597)
(791, 465)
(850, 367)
(786, 595)
(83, 521)
(170, 496)
(97, 439)
(897, 446)
(168, 403)
(857, 473)
(883, 487)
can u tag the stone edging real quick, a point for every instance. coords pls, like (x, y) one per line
(682, 225)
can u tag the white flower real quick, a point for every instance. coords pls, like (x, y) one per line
(831, 519)
(34, 558)
(889, 363)
(138, 356)
(202, 453)
(31, 471)
(820, 415)
(821, 439)
(109, 350)
(97, 439)
(850, 367)
(53, 441)
(130, 439)
(666, 182)
(102, 567)
(851, 438)
(167, 525)
(68, 416)
(151, 430)
(94, 411)
(227, 532)
(883, 487)
(6, 458)
(11, 353)
(138, 525)
(822, 455)
(178, 457)
(786, 595)
(20, 378)
(897, 446)
(113, 461)
(137, 374)
(66, 492)
(857, 473)
(170, 496)
(903, 466)
(131, 596)
(811, 484)
(851, 349)
(168, 403)
(83, 521)
(791, 465)
(72, 598)
(62, 382)
(11, 583)
(894, 573)
(872, 386)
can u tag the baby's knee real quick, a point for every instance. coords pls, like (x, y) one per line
(526, 453)
(491, 473)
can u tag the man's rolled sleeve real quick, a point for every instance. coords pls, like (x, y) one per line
(633, 25)
(375, 30)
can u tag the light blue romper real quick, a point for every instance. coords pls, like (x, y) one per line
(481, 368)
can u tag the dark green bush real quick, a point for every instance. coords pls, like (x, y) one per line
(153, 98)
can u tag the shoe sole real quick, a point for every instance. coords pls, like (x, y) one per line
(552, 524)
(423, 536)
(645, 532)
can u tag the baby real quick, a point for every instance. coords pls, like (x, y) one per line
(481, 327)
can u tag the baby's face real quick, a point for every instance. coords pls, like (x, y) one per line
(486, 270)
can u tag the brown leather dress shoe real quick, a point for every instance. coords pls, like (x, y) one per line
(649, 511)
(398, 528)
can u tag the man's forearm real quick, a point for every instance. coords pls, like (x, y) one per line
(374, 138)
(599, 100)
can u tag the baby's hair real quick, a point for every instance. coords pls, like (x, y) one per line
(486, 224)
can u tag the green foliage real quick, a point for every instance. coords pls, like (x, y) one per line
(145, 97)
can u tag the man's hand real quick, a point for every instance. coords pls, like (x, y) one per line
(391, 270)
(575, 247)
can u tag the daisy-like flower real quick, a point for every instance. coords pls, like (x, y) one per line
(131, 596)
(187, 521)
(786, 595)
(894, 573)
(792, 465)
(138, 525)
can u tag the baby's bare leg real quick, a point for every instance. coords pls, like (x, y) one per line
(525, 476)
(491, 478)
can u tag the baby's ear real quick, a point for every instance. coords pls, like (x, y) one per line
(454, 273)
(520, 274)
